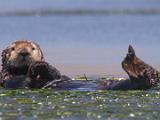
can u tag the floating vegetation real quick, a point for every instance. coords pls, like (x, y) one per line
(82, 77)
(75, 105)
(111, 78)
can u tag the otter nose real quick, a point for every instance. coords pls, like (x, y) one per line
(24, 53)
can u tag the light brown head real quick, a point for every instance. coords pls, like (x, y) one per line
(21, 53)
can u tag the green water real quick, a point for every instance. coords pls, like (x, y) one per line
(76, 105)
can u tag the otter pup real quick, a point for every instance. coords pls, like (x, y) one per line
(17, 61)
(142, 76)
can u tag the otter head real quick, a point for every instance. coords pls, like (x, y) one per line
(21, 54)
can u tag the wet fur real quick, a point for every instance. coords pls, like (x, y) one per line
(10, 69)
(40, 74)
(35, 75)
(142, 76)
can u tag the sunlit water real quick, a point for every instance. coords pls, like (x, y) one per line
(71, 105)
(75, 43)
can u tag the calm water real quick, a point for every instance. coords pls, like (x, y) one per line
(85, 36)
(94, 44)
(91, 44)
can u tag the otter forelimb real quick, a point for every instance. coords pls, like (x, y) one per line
(142, 76)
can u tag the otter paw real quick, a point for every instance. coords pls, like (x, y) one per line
(42, 70)
(39, 68)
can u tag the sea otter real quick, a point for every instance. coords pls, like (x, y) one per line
(18, 61)
(141, 75)
(23, 65)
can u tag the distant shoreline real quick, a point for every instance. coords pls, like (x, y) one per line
(80, 12)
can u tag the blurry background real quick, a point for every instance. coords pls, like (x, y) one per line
(85, 36)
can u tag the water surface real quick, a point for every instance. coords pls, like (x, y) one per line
(71, 105)
(91, 44)
(77, 37)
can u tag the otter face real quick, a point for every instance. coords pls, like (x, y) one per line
(23, 53)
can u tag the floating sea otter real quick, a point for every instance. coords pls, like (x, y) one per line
(142, 76)
(23, 65)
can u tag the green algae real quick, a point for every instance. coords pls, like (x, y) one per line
(76, 105)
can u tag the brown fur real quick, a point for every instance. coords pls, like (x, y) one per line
(142, 76)
(13, 63)
(139, 71)
(23, 66)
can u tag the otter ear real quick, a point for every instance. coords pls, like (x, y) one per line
(42, 57)
(131, 52)
(5, 56)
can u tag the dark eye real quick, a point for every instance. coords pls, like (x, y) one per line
(12, 48)
(33, 48)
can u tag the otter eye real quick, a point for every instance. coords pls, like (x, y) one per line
(12, 48)
(33, 48)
